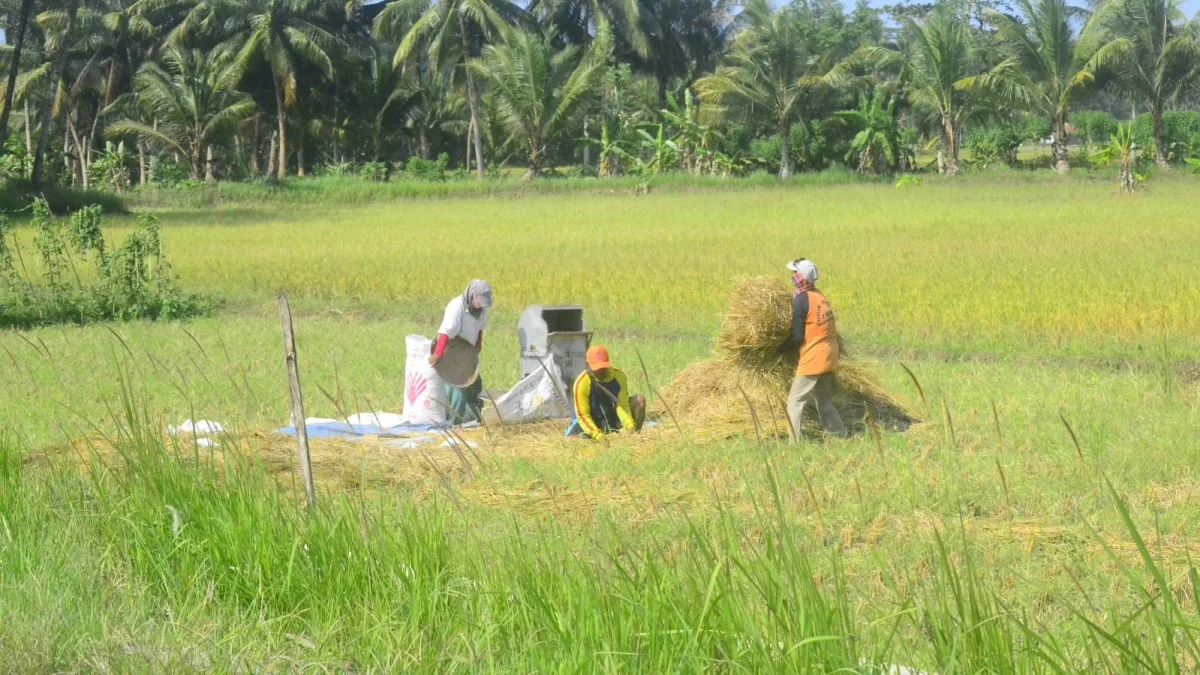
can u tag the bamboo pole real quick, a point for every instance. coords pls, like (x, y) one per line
(293, 373)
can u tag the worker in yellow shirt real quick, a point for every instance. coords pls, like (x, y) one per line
(814, 334)
(602, 402)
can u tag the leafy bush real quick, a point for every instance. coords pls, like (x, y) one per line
(1034, 128)
(19, 195)
(430, 170)
(737, 139)
(336, 169)
(132, 281)
(1181, 135)
(765, 153)
(15, 163)
(991, 144)
(376, 172)
(813, 148)
(167, 172)
(817, 147)
(110, 168)
(1094, 128)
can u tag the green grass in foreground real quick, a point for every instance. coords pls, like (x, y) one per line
(171, 566)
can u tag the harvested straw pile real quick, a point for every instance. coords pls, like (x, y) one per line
(745, 387)
(339, 464)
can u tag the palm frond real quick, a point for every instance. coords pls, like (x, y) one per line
(126, 127)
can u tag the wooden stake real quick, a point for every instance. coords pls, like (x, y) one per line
(293, 373)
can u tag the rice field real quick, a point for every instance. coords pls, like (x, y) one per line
(1052, 332)
(1010, 267)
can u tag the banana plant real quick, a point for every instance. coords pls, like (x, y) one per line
(727, 165)
(876, 144)
(1121, 150)
(696, 141)
(662, 151)
(613, 155)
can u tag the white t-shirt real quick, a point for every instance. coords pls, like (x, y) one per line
(458, 322)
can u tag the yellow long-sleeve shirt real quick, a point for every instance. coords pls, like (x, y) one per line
(602, 404)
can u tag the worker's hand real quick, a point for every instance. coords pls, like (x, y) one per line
(433, 359)
(786, 347)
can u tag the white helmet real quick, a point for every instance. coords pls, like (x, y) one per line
(805, 268)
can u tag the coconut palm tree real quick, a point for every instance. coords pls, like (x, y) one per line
(449, 30)
(769, 73)
(31, 87)
(939, 68)
(670, 40)
(1047, 67)
(283, 34)
(1154, 53)
(382, 97)
(434, 108)
(539, 89)
(62, 46)
(192, 102)
(109, 40)
(14, 68)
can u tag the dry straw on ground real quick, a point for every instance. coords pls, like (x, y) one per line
(743, 390)
(739, 392)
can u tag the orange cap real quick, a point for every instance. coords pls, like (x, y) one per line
(597, 358)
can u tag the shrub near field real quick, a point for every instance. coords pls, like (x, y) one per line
(1051, 326)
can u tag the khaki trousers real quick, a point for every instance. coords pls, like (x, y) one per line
(814, 392)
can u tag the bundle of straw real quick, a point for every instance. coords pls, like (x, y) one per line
(747, 382)
(758, 320)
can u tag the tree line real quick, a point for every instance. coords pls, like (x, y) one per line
(121, 91)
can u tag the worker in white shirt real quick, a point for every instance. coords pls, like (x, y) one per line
(466, 317)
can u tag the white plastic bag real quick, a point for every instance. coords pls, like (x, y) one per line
(198, 428)
(424, 393)
(539, 396)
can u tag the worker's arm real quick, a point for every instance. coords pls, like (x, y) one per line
(799, 316)
(439, 347)
(624, 413)
(451, 327)
(582, 392)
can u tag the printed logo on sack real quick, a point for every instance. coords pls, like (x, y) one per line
(415, 384)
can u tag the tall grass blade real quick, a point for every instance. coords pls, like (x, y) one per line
(916, 383)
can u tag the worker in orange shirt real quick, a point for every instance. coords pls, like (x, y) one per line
(814, 334)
